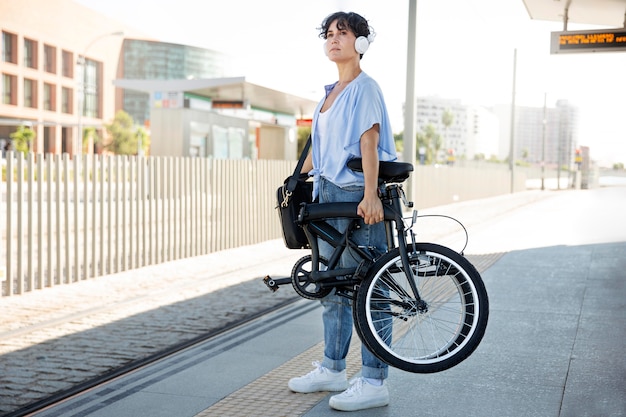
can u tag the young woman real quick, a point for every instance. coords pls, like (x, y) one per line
(351, 121)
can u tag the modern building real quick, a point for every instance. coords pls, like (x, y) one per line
(221, 118)
(473, 129)
(153, 60)
(430, 112)
(43, 46)
(65, 68)
(482, 133)
(555, 145)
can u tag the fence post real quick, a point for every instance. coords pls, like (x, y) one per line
(9, 226)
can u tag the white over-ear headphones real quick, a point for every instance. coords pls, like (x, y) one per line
(361, 44)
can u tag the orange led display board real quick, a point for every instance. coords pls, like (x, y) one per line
(581, 41)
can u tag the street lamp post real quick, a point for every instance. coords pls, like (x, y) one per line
(512, 132)
(410, 101)
(543, 142)
(81, 90)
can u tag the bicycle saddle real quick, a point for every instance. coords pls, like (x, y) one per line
(387, 171)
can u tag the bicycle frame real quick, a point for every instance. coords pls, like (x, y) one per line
(423, 331)
(312, 218)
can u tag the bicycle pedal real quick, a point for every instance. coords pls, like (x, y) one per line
(271, 284)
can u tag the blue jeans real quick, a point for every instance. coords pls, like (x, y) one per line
(337, 315)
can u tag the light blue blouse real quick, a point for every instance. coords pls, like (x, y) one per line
(357, 108)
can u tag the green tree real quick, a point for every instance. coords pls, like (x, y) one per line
(90, 132)
(21, 139)
(431, 140)
(398, 139)
(143, 140)
(303, 135)
(124, 137)
(447, 118)
(525, 154)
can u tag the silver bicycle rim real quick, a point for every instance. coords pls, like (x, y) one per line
(424, 337)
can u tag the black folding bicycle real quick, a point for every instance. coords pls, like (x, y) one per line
(419, 307)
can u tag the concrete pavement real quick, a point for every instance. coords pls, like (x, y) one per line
(554, 345)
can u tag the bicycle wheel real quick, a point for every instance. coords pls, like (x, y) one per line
(428, 335)
(302, 282)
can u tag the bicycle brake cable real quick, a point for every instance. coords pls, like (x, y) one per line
(451, 218)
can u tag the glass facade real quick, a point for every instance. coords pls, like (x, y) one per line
(9, 53)
(30, 53)
(67, 64)
(9, 89)
(92, 95)
(49, 97)
(148, 60)
(50, 59)
(30, 93)
(66, 100)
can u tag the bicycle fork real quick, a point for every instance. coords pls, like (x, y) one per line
(397, 195)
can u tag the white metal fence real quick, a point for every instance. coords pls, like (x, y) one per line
(65, 220)
(69, 220)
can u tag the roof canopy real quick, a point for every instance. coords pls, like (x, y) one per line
(228, 89)
(593, 12)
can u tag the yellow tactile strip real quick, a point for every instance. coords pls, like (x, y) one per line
(269, 395)
(484, 261)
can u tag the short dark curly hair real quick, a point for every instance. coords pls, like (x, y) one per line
(346, 20)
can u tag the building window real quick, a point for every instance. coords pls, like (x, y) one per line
(49, 97)
(68, 64)
(50, 59)
(30, 53)
(92, 88)
(9, 89)
(30, 93)
(47, 143)
(66, 100)
(9, 47)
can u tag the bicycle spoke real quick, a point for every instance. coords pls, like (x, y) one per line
(429, 335)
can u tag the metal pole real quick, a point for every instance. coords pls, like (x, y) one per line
(512, 143)
(543, 143)
(559, 152)
(409, 103)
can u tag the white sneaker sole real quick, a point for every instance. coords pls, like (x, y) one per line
(329, 386)
(337, 404)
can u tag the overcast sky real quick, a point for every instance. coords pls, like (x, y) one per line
(465, 51)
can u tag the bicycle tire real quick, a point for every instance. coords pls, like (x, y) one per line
(422, 337)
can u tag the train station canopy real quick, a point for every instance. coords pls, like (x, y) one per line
(592, 12)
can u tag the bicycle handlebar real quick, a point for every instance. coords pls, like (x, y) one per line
(320, 211)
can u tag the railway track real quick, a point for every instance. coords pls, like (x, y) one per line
(60, 397)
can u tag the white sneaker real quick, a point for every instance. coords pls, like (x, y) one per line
(360, 395)
(319, 379)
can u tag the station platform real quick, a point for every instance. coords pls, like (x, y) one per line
(554, 266)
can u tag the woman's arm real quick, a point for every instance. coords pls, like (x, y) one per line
(370, 208)
(307, 165)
